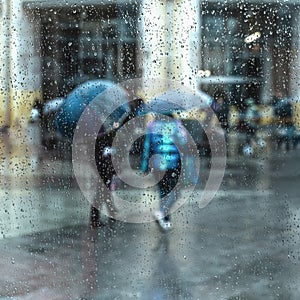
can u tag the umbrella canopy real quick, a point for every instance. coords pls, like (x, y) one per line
(178, 100)
(78, 100)
(162, 106)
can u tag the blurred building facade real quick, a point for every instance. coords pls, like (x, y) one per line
(249, 49)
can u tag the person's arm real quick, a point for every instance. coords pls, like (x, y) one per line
(146, 153)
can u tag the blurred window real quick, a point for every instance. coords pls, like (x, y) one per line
(242, 41)
(82, 44)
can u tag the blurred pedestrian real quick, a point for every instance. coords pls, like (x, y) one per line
(99, 95)
(252, 117)
(161, 138)
(104, 151)
(283, 112)
(221, 108)
(106, 170)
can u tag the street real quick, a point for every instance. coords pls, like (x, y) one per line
(243, 245)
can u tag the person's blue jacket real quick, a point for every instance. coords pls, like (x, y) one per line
(161, 137)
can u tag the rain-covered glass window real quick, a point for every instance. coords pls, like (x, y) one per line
(150, 149)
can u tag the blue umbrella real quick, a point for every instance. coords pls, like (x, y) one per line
(76, 102)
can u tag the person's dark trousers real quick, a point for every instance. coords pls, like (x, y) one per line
(106, 171)
(166, 188)
(94, 216)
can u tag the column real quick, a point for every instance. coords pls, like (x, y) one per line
(5, 61)
(154, 51)
(185, 42)
(295, 69)
(24, 63)
(20, 78)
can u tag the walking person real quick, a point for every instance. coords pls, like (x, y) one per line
(103, 158)
(104, 151)
(252, 118)
(221, 108)
(162, 135)
(283, 112)
(99, 96)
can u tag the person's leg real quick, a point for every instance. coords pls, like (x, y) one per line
(96, 208)
(166, 202)
(103, 195)
(167, 191)
(94, 216)
(109, 202)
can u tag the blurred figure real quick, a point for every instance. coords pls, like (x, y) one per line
(283, 112)
(103, 156)
(251, 120)
(100, 95)
(162, 135)
(221, 108)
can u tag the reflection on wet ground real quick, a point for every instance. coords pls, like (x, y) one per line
(243, 245)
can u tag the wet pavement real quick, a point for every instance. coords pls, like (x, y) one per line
(243, 245)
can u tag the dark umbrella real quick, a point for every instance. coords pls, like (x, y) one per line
(79, 99)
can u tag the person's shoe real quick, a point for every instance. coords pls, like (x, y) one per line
(163, 221)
